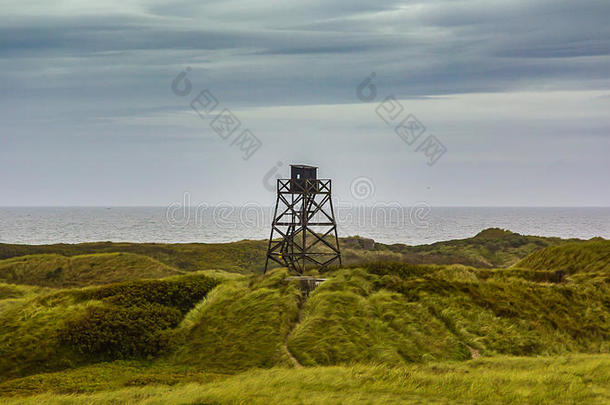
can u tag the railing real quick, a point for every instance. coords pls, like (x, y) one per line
(304, 186)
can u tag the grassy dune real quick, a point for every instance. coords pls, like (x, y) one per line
(401, 313)
(14, 291)
(557, 380)
(245, 255)
(592, 256)
(54, 270)
(393, 314)
(72, 327)
(349, 319)
(104, 376)
(112, 327)
(239, 326)
(490, 248)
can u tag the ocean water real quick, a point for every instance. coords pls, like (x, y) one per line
(409, 225)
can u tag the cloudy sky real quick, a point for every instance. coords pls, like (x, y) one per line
(517, 92)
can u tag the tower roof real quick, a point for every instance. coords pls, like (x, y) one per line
(304, 166)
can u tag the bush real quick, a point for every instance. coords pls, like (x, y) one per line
(133, 316)
(119, 332)
(180, 293)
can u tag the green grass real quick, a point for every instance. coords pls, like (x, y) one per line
(239, 256)
(386, 313)
(592, 256)
(72, 327)
(105, 376)
(239, 326)
(400, 313)
(510, 315)
(490, 248)
(54, 270)
(13, 291)
(558, 380)
(374, 331)
(348, 320)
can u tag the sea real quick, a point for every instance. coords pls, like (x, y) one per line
(175, 224)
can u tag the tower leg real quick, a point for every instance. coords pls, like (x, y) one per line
(332, 214)
(277, 202)
(308, 208)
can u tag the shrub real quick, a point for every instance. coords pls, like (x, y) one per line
(181, 293)
(133, 317)
(119, 332)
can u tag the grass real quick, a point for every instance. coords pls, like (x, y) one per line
(239, 256)
(105, 376)
(13, 291)
(592, 256)
(386, 313)
(73, 327)
(510, 315)
(557, 380)
(239, 326)
(54, 270)
(399, 313)
(348, 320)
(111, 327)
(490, 248)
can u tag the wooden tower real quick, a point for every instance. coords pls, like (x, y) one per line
(303, 224)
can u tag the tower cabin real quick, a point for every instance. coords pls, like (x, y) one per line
(299, 174)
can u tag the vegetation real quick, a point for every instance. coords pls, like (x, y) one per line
(240, 326)
(54, 270)
(557, 380)
(68, 328)
(134, 329)
(12, 291)
(116, 332)
(240, 256)
(105, 376)
(397, 313)
(592, 256)
(349, 320)
(490, 248)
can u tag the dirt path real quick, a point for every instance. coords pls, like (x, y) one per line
(474, 353)
(293, 359)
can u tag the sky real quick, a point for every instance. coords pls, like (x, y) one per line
(451, 103)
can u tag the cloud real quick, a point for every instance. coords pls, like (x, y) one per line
(90, 72)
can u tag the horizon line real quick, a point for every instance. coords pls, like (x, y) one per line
(271, 206)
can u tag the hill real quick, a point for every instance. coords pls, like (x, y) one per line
(236, 256)
(490, 248)
(72, 327)
(54, 270)
(392, 314)
(573, 379)
(242, 324)
(374, 329)
(592, 256)
(399, 313)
